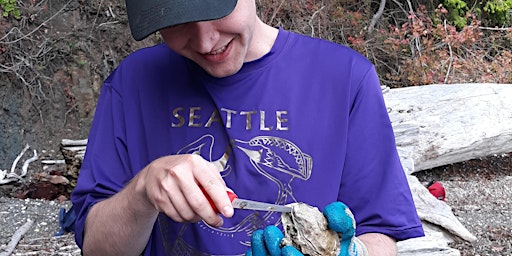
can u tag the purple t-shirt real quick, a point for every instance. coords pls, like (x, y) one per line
(305, 123)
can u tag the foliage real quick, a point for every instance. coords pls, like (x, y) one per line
(430, 50)
(501, 10)
(9, 8)
(457, 11)
(490, 12)
(410, 46)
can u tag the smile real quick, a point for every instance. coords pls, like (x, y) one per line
(220, 50)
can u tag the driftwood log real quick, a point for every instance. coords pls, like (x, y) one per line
(437, 125)
(434, 125)
(443, 124)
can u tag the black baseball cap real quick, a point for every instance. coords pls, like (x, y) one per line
(148, 16)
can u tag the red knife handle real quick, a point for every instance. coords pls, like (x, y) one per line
(231, 196)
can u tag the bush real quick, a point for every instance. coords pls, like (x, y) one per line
(490, 12)
(408, 47)
(9, 8)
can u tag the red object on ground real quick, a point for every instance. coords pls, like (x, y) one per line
(436, 189)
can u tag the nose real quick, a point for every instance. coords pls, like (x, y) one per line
(204, 36)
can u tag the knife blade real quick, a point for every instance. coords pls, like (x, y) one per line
(245, 204)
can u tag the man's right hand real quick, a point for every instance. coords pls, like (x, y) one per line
(172, 185)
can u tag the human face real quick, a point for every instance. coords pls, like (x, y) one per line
(220, 46)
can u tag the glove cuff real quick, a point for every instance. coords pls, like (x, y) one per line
(359, 247)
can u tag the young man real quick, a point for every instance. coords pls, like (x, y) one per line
(229, 102)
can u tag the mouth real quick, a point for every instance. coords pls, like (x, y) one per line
(219, 50)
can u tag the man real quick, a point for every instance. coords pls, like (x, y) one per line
(229, 102)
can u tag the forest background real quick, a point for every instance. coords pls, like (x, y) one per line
(55, 54)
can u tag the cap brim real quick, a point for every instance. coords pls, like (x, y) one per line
(148, 16)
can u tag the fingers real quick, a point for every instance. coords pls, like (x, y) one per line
(340, 218)
(268, 242)
(290, 251)
(273, 237)
(173, 187)
(258, 244)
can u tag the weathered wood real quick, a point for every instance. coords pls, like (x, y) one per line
(16, 238)
(435, 211)
(436, 125)
(434, 243)
(73, 152)
(8, 177)
(442, 124)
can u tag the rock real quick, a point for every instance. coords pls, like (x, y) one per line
(306, 229)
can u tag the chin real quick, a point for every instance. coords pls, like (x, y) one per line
(222, 72)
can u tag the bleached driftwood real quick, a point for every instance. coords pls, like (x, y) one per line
(442, 124)
(434, 243)
(441, 226)
(437, 125)
(7, 177)
(16, 238)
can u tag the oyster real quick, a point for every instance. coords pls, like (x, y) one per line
(305, 228)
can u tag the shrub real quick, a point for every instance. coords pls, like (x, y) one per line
(409, 47)
(9, 8)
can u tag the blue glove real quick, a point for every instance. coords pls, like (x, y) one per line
(340, 219)
(268, 242)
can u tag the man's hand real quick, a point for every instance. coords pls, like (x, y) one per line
(268, 242)
(172, 185)
(340, 219)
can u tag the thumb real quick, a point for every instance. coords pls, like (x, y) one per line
(340, 219)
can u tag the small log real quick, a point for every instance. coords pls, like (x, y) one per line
(16, 238)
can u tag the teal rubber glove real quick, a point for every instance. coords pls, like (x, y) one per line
(268, 242)
(340, 219)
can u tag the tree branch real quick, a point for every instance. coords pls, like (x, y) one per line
(377, 16)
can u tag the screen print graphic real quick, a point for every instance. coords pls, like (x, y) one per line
(276, 159)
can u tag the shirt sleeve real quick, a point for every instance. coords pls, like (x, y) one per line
(374, 185)
(105, 169)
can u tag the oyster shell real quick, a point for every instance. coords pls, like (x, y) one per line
(305, 228)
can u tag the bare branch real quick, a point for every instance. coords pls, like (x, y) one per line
(310, 22)
(377, 16)
(13, 166)
(493, 29)
(24, 168)
(451, 59)
(275, 12)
